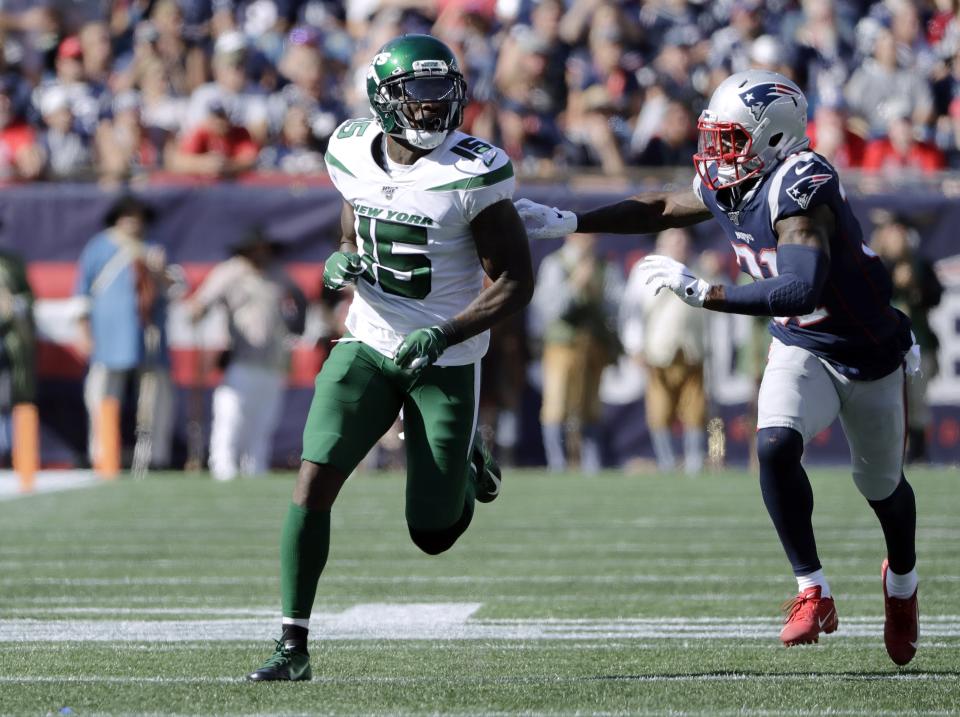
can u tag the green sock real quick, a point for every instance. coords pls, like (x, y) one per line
(304, 545)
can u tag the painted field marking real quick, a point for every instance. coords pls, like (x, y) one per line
(18, 605)
(745, 712)
(580, 579)
(532, 680)
(434, 621)
(45, 482)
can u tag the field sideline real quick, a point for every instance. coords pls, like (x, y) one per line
(616, 595)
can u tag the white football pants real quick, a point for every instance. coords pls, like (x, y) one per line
(246, 409)
(102, 382)
(805, 393)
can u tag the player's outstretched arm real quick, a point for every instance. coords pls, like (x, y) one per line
(645, 214)
(505, 255)
(641, 214)
(803, 262)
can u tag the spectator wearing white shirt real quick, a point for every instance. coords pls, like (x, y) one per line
(66, 151)
(577, 294)
(265, 310)
(668, 338)
(84, 98)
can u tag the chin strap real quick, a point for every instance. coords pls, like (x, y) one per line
(421, 139)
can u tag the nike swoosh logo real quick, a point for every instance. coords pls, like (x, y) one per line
(559, 215)
(914, 645)
(803, 169)
(825, 620)
(496, 482)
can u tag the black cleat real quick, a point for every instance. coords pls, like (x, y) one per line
(486, 469)
(286, 663)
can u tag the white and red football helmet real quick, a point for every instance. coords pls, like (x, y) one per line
(754, 120)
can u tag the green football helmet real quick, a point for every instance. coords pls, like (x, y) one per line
(416, 90)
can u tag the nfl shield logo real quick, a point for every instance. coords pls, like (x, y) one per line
(388, 191)
(734, 217)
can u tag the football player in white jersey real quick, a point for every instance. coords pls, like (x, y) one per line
(839, 348)
(427, 213)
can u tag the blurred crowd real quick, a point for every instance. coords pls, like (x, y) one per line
(595, 339)
(115, 90)
(119, 91)
(584, 318)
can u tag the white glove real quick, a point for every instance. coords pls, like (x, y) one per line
(662, 272)
(543, 222)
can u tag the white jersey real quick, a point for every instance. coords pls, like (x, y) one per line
(413, 232)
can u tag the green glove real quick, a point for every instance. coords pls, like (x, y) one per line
(342, 268)
(421, 348)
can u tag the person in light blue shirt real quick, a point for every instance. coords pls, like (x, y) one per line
(121, 280)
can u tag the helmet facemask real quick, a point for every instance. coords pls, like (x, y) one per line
(755, 119)
(421, 107)
(725, 156)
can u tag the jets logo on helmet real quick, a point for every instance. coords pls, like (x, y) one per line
(802, 191)
(759, 97)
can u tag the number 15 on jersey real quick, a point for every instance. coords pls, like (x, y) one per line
(393, 257)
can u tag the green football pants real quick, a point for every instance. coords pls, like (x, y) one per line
(359, 394)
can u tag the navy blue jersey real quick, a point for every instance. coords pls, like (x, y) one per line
(854, 327)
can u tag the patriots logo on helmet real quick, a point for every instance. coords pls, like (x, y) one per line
(761, 96)
(803, 190)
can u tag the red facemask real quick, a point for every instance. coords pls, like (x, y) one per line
(728, 146)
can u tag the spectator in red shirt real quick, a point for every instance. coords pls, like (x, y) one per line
(215, 148)
(830, 135)
(20, 155)
(901, 150)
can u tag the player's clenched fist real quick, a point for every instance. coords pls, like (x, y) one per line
(662, 272)
(342, 268)
(421, 348)
(543, 222)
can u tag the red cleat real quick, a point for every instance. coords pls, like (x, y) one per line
(901, 629)
(808, 615)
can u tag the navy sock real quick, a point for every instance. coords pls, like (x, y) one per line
(788, 496)
(898, 518)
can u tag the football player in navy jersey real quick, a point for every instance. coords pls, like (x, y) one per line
(839, 347)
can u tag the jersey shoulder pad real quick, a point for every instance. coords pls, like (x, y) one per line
(347, 140)
(804, 181)
(470, 163)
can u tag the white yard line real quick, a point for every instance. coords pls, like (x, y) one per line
(45, 482)
(400, 609)
(605, 645)
(434, 680)
(631, 579)
(767, 600)
(744, 712)
(425, 621)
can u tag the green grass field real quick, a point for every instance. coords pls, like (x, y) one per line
(610, 596)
